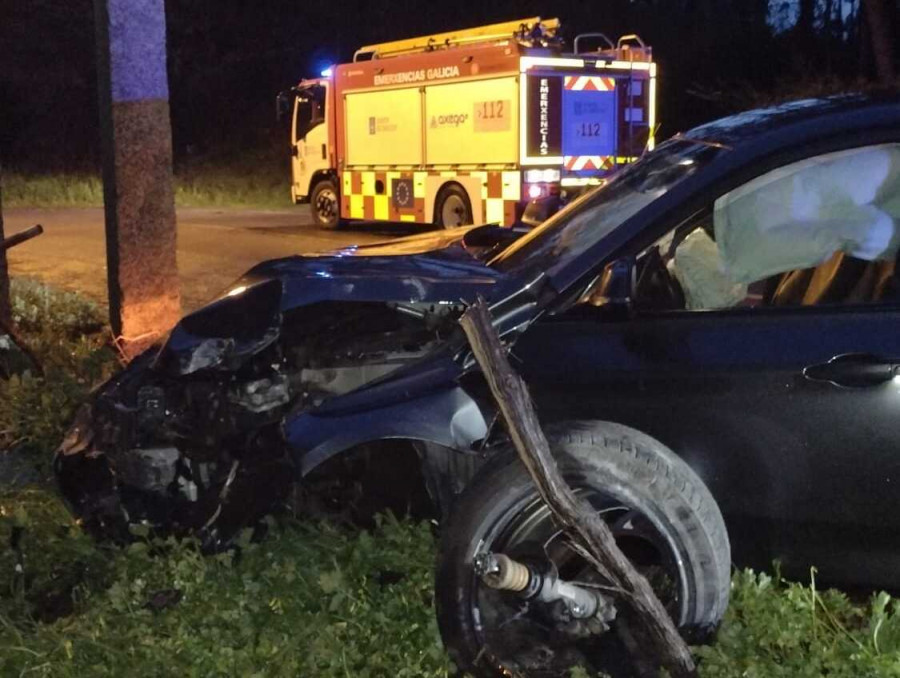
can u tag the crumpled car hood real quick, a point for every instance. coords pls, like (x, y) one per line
(434, 268)
(431, 267)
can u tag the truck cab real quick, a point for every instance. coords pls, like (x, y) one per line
(309, 109)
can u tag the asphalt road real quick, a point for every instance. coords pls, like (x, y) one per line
(214, 246)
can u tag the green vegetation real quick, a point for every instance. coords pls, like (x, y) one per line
(67, 334)
(307, 600)
(259, 181)
(777, 629)
(250, 183)
(52, 190)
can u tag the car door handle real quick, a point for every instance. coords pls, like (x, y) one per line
(852, 370)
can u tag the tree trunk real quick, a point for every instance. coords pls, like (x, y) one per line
(881, 28)
(5, 312)
(646, 617)
(806, 21)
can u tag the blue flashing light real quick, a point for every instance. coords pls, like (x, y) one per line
(328, 72)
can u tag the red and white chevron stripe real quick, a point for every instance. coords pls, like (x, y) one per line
(588, 162)
(593, 83)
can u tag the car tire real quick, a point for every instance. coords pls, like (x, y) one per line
(453, 207)
(325, 204)
(612, 461)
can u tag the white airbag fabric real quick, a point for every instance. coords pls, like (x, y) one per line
(697, 267)
(798, 216)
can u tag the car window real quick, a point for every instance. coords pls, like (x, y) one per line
(586, 221)
(799, 215)
(821, 231)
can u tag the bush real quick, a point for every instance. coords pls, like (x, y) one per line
(775, 628)
(44, 312)
(66, 333)
(308, 600)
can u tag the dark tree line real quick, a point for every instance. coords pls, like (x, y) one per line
(228, 59)
(881, 21)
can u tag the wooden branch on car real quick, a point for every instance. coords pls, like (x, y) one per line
(644, 614)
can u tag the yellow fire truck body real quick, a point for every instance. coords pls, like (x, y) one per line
(467, 127)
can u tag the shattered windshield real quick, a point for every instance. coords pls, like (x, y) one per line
(586, 221)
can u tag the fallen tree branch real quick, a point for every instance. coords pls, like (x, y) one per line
(645, 616)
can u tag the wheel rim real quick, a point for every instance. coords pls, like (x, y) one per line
(515, 635)
(326, 205)
(454, 211)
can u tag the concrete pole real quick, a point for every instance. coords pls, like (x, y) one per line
(136, 132)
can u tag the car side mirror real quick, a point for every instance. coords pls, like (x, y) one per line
(615, 287)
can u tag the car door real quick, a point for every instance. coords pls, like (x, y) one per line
(787, 406)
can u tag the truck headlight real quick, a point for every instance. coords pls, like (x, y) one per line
(537, 176)
(548, 176)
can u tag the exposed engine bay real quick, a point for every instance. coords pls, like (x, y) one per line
(189, 437)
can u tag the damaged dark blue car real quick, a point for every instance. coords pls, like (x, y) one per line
(712, 342)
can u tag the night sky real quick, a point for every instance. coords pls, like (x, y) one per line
(228, 59)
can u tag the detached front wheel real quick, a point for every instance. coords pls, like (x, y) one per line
(325, 204)
(661, 514)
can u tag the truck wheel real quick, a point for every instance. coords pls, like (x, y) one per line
(325, 205)
(452, 207)
(663, 518)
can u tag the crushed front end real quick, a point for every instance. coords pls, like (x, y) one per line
(189, 438)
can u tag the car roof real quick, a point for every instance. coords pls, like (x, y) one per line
(807, 117)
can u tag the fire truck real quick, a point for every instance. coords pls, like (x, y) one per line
(469, 126)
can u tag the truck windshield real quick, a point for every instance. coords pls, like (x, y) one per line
(586, 221)
(310, 109)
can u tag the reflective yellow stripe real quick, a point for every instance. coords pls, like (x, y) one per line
(357, 211)
(407, 217)
(419, 184)
(368, 183)
(494, 211)
(381, 207)
(512, 185)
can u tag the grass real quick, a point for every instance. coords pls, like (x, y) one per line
(309, 599)
(67, 333)
(247, 185)
(260, 180)
(53, 190)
